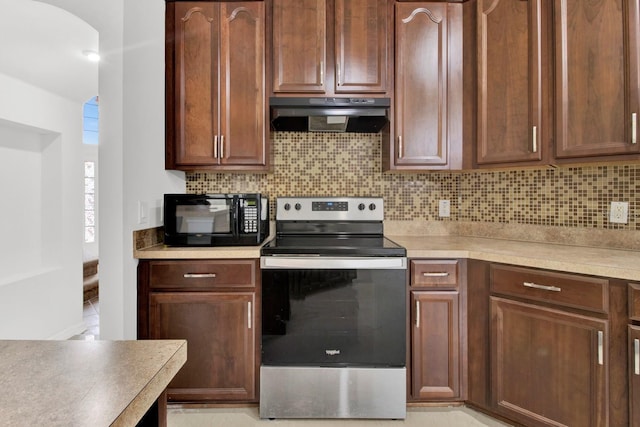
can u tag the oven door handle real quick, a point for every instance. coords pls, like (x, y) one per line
(326, 263)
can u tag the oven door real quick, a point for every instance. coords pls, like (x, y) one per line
(334, 312)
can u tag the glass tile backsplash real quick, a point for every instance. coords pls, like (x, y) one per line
(317, 164)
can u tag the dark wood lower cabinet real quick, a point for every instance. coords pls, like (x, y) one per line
(548, 367)
(215, 306)
(634, 375)
(438, 330)
(435, 338)
(220, 337)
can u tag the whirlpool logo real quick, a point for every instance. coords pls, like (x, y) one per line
(332, 352)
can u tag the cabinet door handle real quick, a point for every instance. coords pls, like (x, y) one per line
(400, 147)
(339, 74)
(634, 128)
(534, 139)
(600, 348)
(436, 274)
(215, 146)
(222, 146)
(543, 287)
(321, 73)
(199, 275)
(417, 314)
(249, 317)
(636, 356)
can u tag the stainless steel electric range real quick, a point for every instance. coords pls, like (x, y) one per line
(333, 312)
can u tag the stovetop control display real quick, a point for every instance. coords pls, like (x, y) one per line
(330, 206)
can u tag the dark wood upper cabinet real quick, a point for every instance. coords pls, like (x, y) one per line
(513, 82)
(299, 45)
(331, 47)
(596, 77)
(431, 117)
(215, 93)
(421, 84)
(362, 45)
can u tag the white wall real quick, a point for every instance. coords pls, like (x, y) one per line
(41, 275)
(145, 178)
(131, 151)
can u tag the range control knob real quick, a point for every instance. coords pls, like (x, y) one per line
(298, 206)
(361, 206)
(372, 207)
(287, 206)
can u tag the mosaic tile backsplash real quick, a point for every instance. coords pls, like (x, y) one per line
(321, 164)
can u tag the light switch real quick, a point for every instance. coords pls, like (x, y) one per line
(143, 212)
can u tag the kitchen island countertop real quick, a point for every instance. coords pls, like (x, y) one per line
(84, 383)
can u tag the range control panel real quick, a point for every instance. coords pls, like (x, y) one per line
(329, 209)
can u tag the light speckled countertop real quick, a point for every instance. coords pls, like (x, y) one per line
(615, 263)
(84, 383)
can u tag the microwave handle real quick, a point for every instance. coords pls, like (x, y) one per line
(235, 215)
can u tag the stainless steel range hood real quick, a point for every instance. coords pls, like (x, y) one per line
(363, 115)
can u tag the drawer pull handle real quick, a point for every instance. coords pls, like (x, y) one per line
(600, 348)
(199, 275)
(249, 318)
(436, 274)
(543, 287)
(636, 356)
(417, 314)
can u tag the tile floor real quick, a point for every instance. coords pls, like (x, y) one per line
(91, 316)
(249, 417)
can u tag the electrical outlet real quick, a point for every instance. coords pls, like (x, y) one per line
(444, 208)
(619, 212)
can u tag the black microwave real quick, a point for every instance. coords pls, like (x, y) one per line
(215, 219)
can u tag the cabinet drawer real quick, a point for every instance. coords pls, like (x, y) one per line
(196, 274)
(571, 290)
(634, 301)
(434, 273)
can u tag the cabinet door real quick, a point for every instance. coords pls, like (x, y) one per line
(548, 366)
(220, 333)
(362, 42)
(195, 98)
(243, 105)
(634, 375)
(596, 75)
(435, 341)
(511, 66)
(299, 45)
(421, 84)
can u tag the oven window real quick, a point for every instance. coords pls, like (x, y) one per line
(213, 216)
(334, 317)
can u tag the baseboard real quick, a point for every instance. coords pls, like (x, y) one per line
(67, 333)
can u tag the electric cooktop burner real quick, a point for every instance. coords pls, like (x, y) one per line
(333, 245)
(331, 226)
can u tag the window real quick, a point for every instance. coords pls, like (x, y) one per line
(89, 202)
(90, 139)
(90, 123)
